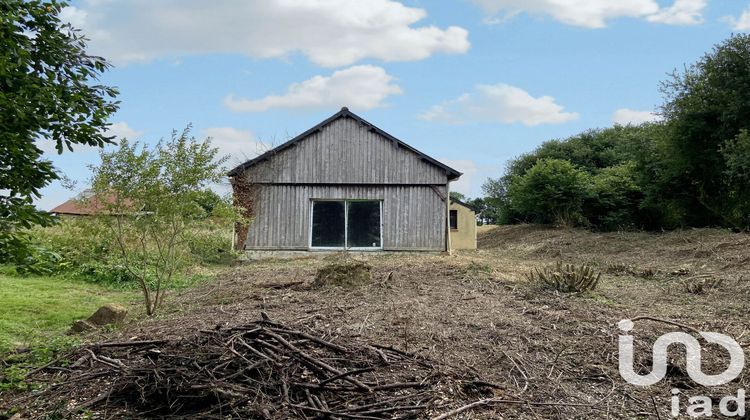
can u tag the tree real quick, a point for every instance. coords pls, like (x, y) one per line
(496, 208)
(457, 196)
(736, 154)
(551, 191)
(614, 198)
(151, 198)
(707, 107)
(48, 94)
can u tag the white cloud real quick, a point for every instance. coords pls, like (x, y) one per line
(499, 103)
(625, 116)
(465, 184)
(121, 130)
(741, 23)
(682, 12)
(73, 15)
(239, 145)
(595, 13)
(330, 33)
(358, 87)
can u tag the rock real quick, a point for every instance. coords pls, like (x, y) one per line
(81, 326)
(110, 313)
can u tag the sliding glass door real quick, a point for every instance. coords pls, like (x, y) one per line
(346, 224)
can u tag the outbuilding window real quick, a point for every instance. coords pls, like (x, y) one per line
(346, 224)
(454, 219)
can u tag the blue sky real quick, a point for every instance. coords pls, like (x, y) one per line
(472, 83)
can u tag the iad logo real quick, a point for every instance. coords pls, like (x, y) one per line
(693, 356)
(701, 405)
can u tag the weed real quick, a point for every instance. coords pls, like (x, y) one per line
(698, 285)
(566, 278)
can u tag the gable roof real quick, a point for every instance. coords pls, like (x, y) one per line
(86, 204)
(344, 113)
(461, 203)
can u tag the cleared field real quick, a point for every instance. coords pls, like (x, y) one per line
(539, 353)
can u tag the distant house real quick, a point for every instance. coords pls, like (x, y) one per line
(344, 185)
(84, 204)
(462, 219)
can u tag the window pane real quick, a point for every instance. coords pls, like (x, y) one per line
(364, 224)
(454, 219)
(328, 224)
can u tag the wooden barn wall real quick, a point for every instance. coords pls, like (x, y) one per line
(345, 152)
(413, 216)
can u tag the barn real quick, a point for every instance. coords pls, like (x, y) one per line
(344, 184)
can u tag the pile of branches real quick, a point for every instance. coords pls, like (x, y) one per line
(260, 370)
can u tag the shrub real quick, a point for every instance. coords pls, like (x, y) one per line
(551, 191)
(566, 278)
(112, 274)
(210, 244)
(613, 198)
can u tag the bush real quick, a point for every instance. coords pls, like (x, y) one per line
(85, 248)
(551, 191)
(566, 278)
(613, 198)
(210, 245)
(112, 274)
(77, 240)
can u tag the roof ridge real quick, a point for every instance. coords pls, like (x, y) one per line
(343, 113)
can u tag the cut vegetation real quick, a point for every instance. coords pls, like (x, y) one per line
(515, 350)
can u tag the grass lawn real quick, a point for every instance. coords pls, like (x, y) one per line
(34, 308)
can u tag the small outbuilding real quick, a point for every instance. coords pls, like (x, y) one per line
(463, 225)
(344, 184)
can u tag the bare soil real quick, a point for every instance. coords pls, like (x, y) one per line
(474, 314)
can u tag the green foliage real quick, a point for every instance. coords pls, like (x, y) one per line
(736, 154)
(690, 170)
(16, 366)
(458, 196)
(48, 95)
(211, 244)
(566, 278)
(551, 191)
(708, 109)
(496, 209)
(35, 308)
(152, 198)
(604, 155)
(613, 198)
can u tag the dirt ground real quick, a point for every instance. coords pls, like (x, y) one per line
(474, 313)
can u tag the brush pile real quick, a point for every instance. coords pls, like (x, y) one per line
(260, 370)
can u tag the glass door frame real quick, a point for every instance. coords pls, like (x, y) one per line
(346, 246)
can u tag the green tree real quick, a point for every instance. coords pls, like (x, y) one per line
(736, 154)
(152, 197)
(47, 94)
(707, 107)
(614, 198)
(551, 191)
(458, 196)
(496, 209)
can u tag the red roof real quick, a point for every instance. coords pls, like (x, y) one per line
(85, 204)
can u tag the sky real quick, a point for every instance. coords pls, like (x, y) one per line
(472, 83)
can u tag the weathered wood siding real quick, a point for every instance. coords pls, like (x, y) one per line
(346, 152)
(413, 216)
